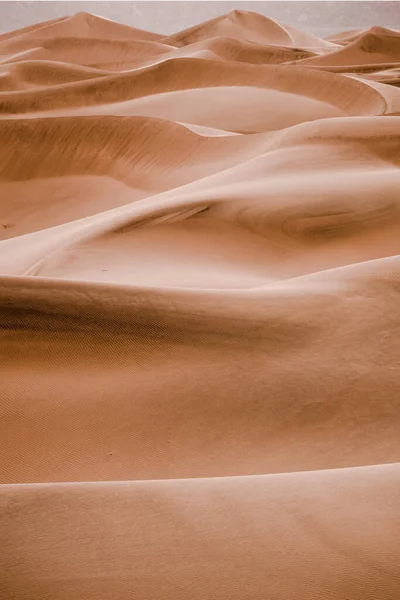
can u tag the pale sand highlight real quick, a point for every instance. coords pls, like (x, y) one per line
(199, 290)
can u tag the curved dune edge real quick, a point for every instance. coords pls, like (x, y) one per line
(199, 312)
(355, 98)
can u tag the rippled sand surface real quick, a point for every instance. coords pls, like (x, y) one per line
(199, 301)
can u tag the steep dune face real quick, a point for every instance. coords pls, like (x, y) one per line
(199, 312)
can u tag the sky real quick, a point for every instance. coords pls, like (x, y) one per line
(321, 17)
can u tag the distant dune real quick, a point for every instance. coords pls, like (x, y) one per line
(367, 48)
(199, 292)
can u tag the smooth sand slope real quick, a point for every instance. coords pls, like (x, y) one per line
(245, 538)
(199, 312)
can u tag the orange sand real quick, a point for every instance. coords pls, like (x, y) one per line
(199, 291)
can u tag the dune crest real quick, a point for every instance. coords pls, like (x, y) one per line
(199, 300)
(242, 25)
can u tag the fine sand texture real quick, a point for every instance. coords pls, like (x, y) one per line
(199, 312)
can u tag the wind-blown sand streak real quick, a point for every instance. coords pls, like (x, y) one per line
(199, 292)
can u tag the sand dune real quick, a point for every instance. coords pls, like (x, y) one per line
(83, 25)
(37, 73)
(350, 96)
(343, 37)
(388, 76)
(247, 26)
(199, 292)
(183, 537)
(368, 48)
(241, 25)
(72, 49)
(138, 339)
(132, 153)
(231, 49)
(352, 36)
(215, 107)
